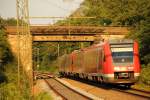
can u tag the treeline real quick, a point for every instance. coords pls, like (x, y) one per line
(115, 12)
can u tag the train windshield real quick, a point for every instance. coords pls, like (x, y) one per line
(122, 55)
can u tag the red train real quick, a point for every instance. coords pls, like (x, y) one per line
(114, 61)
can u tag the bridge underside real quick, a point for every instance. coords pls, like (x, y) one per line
(12, 39)
(62, 33)
(80, 38)
(63, 38)
(67, 38)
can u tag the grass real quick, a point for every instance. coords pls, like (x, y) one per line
(9, 90)
(43, 96)
(141, 86)
(144, 80)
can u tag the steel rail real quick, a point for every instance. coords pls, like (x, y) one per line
(61, 94)
(135, 92)
(141, 90)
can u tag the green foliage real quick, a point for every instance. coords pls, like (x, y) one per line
(3, 77)
(145, 75)
(5, 53)
(142, 33)
(111, 12)
(144, 38)
(2, 23)
(9, 90)
(11, 22)
(46, 53)
(8, 21)
(43, 96)
(120, 12)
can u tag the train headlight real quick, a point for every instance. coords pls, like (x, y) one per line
(116, 68)
(130, 68)
(120, 68)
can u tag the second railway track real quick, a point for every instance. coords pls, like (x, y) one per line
(64, 91)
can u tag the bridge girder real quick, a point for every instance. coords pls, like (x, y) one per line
(73, 33)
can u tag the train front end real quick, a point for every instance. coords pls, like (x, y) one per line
(123, 63)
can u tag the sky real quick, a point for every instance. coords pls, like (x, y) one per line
(56, 8)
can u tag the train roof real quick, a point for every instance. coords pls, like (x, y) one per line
(117, 41)
(101, 43)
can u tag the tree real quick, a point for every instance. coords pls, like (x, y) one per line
(120, 12)
(5, 53)
(144, 38)
(11, 22)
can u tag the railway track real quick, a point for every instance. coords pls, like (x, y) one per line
(64, 91)
(130, 91)
(69, 94)
(136, 92)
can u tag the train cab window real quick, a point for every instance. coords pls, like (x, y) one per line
(122, 55)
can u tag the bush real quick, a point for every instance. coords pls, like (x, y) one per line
(9, 90)
(3, 78)
(145, 75)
